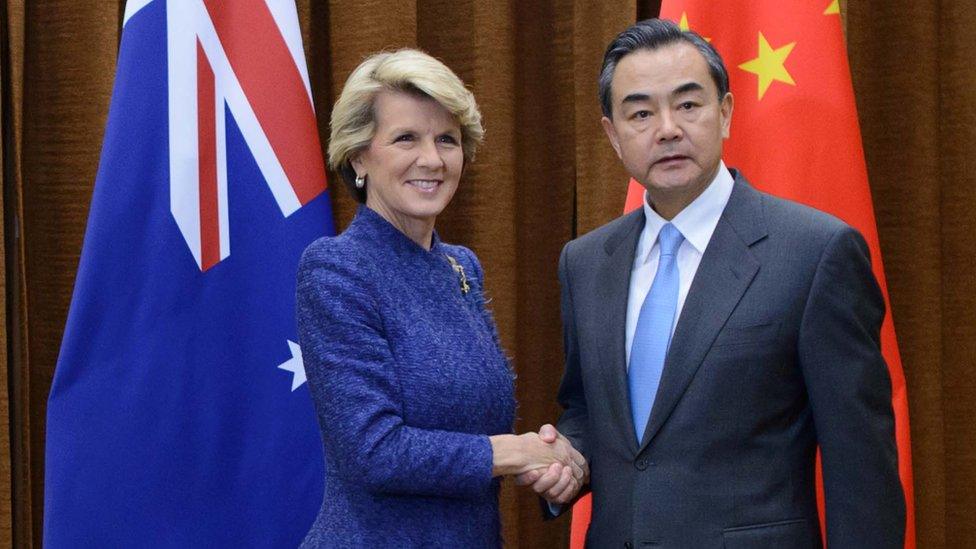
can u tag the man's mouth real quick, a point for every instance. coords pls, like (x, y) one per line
(671, 159)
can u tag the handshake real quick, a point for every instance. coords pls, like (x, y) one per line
(545, 460)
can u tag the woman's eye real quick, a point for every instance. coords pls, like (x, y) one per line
(449, 139)
(403, 138)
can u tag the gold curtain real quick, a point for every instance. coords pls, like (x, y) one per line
(916, 93)
(544, 175)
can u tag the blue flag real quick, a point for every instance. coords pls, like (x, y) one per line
(179, 414)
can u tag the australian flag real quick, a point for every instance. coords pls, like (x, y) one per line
(179, 414)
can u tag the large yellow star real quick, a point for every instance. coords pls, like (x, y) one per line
(683, 24)
(769, 66)
(833, 8)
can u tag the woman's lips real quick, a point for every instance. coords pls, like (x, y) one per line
(424, 185)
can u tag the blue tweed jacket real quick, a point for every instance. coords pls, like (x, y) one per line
(408, 380)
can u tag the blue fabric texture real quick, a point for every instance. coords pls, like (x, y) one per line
(653, 333)
(408, 380)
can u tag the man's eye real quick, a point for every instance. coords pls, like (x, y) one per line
(642, 115)
(687, 105)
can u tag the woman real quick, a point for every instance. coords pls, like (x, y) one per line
(413, 392)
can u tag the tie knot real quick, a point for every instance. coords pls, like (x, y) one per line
(670, 239)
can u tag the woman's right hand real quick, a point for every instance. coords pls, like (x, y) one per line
(557, 483)
(517, 454)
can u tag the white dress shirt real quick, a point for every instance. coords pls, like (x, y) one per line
(696, 223)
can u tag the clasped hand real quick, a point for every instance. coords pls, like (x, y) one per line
(545, 460)
(559, 482)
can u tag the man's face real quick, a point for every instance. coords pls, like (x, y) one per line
(668, 123)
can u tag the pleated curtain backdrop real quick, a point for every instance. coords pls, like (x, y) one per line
(915, 83)
(544, 175)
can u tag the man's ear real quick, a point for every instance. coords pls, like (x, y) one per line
(611, 134)
(725, 107)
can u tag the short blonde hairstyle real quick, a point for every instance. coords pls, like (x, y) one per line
(353, 122)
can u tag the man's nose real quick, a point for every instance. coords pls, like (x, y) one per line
(669, 130)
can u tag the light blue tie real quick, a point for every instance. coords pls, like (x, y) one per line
(653, 333)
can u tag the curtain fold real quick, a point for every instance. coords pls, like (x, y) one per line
(957, 116)
(15, 516)
(69, 56)
(917, 101)
(11, 137)
(544, 175)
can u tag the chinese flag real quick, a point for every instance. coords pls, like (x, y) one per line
(795, 134)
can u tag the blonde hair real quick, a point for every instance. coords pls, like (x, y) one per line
(353, 122)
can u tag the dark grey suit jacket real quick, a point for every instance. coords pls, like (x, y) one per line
(777, 350)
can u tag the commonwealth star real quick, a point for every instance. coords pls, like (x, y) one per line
(294, 365)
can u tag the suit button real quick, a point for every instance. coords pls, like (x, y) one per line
(642, 464)
(628, 545)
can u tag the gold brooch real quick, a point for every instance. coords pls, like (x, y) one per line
(459, 269)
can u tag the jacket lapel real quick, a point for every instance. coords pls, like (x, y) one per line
(726, 270)
(615, 277)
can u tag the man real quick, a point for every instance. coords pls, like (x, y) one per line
(717, 336)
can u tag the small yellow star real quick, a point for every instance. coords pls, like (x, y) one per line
(769, 66)
(683, 24)
(833, 8)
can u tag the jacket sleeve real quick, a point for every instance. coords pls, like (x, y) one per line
(850, 396)
(573, 421)
(351, 374)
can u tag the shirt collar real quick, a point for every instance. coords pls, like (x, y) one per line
(696, 222)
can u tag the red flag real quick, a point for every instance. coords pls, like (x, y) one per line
(795, 134)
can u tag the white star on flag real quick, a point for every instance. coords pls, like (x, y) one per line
(294, 365)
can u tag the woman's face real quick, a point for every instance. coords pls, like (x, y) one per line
(413, 164)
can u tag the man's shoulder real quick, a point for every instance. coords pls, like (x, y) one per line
(606, 237)
(801, 220)
(785, 215)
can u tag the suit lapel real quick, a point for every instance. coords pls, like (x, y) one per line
(726, 270)
(615, 277)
